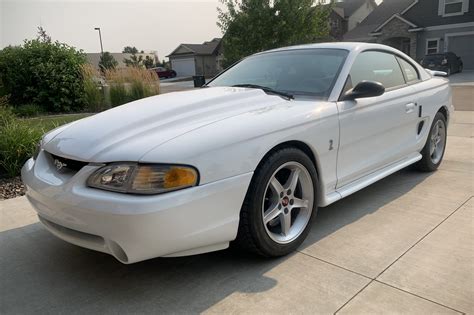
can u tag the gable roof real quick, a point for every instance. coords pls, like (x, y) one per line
(395, 16)
(385, 11)
(206, 48)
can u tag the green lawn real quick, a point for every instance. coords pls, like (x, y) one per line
(50, 122)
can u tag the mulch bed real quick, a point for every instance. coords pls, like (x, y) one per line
(11, 188)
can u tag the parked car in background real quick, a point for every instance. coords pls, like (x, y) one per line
(447, 62)
(248, 159)
(164, 73)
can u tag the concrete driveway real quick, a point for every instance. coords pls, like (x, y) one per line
(404, 245)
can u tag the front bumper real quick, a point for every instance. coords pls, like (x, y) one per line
(132, 227)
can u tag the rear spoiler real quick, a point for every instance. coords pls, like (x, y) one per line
(435, 73)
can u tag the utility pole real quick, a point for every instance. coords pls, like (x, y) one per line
(100, 38)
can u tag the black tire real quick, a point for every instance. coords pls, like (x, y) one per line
(252, 235)
(426, 163)
(460, 68)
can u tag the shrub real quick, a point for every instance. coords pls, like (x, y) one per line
(28, 110)
(92, 88)
(118, 94)
(17, 143)
(131, 84)
(6, 115)
(44, 74)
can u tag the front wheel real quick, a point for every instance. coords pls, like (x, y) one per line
(433, 151)
(280, 204)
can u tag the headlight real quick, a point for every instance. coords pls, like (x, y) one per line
(143, 178)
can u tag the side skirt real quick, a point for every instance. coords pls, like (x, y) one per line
(367, 180)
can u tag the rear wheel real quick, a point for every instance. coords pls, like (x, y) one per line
(280, 204)
(435, 145)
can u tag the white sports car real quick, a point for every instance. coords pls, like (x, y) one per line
(246, 159)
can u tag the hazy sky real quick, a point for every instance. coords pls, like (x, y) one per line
(159, 25)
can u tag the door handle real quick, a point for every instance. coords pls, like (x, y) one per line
(410, 107)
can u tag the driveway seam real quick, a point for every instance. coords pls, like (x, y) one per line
(418, 296)
(348, 301)
(335, 265)
(424, 236)
(403, 254)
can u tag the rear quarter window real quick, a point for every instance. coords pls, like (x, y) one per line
(411, 74)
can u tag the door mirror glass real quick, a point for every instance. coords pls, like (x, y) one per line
(365, 89)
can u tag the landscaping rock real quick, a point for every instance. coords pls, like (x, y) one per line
(11, 188)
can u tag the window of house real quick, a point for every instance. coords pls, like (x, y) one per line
(453, 7)
(432, 46)
(409, 70)
(376, 66)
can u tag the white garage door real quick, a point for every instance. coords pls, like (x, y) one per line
(463, 47)
(184, 66)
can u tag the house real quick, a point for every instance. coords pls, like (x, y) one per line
(94, 58)
(197, 59)
(421, 27)
(347, 14)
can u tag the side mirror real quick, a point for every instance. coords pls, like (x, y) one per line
(364, 89)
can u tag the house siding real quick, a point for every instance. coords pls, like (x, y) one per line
(206, 65)
(425, 13)
(441, 35)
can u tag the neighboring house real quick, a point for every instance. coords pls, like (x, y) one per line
(421, 27)
(347, 14)
(94, 58)
(197, 59)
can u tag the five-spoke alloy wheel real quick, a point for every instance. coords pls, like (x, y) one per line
(280, 204)
(433, 151)
(288, 202)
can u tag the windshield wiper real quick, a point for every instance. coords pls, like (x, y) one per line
(266, 89)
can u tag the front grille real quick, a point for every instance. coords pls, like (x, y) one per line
(67, 164)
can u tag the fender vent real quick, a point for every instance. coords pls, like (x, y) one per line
(420, 126)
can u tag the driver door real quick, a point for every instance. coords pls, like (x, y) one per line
(375, 131)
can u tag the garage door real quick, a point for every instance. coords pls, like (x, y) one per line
(184, 66)
(463, 47)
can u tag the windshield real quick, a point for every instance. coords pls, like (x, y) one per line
(308, 71)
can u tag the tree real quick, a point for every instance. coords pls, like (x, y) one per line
(250, 26)
(107, 61)
(134, 61)
(130, 50)
(148, 62)
(43, 36)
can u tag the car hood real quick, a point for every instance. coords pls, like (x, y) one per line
(128, 132)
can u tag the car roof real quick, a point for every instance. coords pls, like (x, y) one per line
(351, 46)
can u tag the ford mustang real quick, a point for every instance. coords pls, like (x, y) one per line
(247, 159)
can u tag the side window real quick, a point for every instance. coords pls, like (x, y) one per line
(376, 66)
(410, 72)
